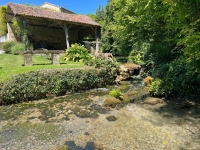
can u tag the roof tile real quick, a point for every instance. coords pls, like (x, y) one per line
(19, 9)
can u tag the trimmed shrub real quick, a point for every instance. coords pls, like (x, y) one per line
(18, 48)
(44, 83)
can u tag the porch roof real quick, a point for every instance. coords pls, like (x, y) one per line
(27, 11)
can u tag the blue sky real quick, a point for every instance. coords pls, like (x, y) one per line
(77, 6)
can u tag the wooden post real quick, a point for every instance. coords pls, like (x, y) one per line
(97, 33)
(67, 35)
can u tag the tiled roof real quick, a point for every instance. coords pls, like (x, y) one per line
(24, 10)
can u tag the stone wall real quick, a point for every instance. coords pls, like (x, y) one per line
(51, 7)
(11, 36)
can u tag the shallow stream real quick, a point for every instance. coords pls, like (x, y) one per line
(81, 122)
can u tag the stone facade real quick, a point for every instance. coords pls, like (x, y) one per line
(55, 8)
(11, 36)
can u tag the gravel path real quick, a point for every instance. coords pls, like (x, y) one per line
(165, 126)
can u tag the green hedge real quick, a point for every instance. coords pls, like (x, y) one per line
(44, 83)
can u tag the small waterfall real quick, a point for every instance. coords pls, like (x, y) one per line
(137, 80)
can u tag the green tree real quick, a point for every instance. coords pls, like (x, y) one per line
(100, 15)
(166, 31)
(3, 25)
(93, 16)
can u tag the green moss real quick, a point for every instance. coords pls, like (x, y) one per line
(75, 109)
(83, 113)
(14, 111)
(94, 114)
(84, 102)
(133, 92)
(126, 99)
(111, 118)
(40, 131)
(124, 86)
(47, 114)
(63, 148)
(112, 101)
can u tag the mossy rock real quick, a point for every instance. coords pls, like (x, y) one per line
(148, 80)
(98, 108)
(126, 99)
(85, 102)
(124, 86)
(76, 109)
(94, 114)
(111, 118)
(112, 101)
(63, 148)
(83, 113)
(152, 101)
(132, 92)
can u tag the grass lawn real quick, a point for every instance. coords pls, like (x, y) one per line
(13, 64)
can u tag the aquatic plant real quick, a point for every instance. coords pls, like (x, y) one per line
(116, 93)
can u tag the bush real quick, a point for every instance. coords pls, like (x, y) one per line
(18, 48)
(77, 53)
(7, 46)
(154, 88)
(116, 93)
(102, 63)
(184, 76)
(161, 87)
(43, 83)
(137, 57)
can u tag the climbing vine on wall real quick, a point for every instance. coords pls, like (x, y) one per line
(22, 32)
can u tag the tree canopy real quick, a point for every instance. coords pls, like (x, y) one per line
(166, 31)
